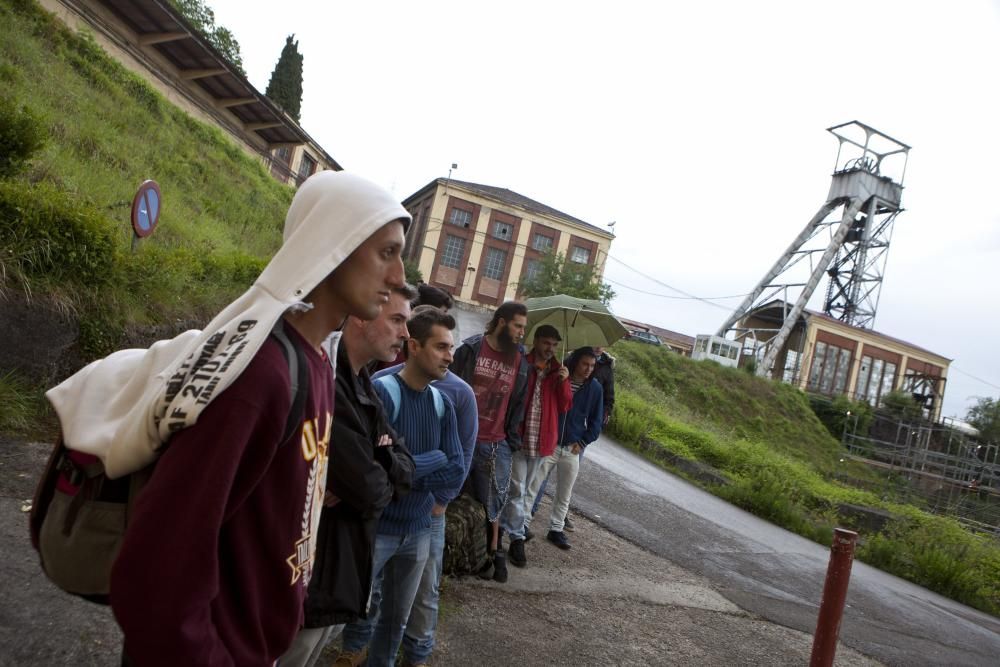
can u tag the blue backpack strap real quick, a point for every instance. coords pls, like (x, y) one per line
(298, 374)
(395, 395)
(438, 402)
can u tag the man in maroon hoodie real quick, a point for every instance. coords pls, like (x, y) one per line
(548, 398)
(220, 545)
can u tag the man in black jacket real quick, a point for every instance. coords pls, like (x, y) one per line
(493, 365)
(368, 469)
(604, 373)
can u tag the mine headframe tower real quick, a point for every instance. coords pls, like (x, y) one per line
(847, 239)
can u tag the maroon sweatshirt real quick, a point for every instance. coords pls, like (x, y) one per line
(214, 566)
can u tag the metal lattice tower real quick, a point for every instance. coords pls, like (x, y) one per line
(848, 239)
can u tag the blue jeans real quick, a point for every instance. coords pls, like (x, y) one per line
(418, 640)
(515, 515)
(398, 564)
(491, 476)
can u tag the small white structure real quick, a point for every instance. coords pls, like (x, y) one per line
(716, 348)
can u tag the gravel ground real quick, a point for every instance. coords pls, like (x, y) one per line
(606, 601)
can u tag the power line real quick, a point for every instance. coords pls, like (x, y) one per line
(671, 287)
(441, 226)
(672, 296)
(989, 384)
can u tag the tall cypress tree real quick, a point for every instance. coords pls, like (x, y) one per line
(285, 86)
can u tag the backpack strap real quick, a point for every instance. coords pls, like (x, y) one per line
(298, 374)
(438, 401)
(392, 388)
(395, 395)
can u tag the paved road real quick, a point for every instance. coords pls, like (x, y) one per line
(774, 573)
(765, 569)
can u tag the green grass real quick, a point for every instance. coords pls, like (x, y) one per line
(107, 131)
(783, 465)
(22, 407)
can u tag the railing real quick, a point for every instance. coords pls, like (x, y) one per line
(949, 473)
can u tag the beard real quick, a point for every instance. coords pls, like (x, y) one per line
(506, 341)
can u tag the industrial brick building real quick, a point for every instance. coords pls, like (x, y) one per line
(480, 242)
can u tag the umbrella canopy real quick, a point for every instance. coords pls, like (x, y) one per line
(580, 322)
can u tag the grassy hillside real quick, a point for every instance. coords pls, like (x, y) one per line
(64, 221)
(781, 463)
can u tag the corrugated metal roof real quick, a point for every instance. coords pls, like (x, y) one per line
(193, 54)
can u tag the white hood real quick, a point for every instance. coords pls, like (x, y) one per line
(124, 407)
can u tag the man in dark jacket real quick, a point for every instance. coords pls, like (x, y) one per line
(492, 364)
(368, 469)
(604, 373)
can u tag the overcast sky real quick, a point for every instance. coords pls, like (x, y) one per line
(698, 126)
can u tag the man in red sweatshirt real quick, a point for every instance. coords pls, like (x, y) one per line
(548, 399)
(220, 546)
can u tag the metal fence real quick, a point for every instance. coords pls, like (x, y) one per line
(948, 472)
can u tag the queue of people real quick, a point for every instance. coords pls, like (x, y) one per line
(339, 529)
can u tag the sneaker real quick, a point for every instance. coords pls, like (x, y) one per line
(568, 525)
(516, 553)
(500, 567)
(351, 658)
(558, 538)
(528, 535)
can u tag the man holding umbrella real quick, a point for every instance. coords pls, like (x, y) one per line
(582, 426)
(548, 399)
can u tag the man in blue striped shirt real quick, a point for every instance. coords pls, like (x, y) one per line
(418, 640)
(425, 418)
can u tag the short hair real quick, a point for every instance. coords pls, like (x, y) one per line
(578, 354)
(506, 312)
(547, 331)
(424, 319)
(407, 291)
(428, 295)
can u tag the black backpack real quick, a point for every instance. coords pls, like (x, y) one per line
(79, 516)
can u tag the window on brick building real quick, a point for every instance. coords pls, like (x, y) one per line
(454, 249)
(542, 242)
(503, 231)
(531, 269)
(580, 255)
(495, 261)
(460, 217)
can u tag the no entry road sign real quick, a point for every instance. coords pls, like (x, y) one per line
(146, 209)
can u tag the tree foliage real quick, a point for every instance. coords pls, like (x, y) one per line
(202, 18)
(413, 274)
(985, 416)
(285, 86)
(557, 275)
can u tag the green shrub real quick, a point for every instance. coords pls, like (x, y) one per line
(49, 236)
(901, 405)
(22, 134)
(840, 413)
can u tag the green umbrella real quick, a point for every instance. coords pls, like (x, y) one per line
(580, 322)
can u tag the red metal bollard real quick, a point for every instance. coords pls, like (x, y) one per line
(831, 608)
